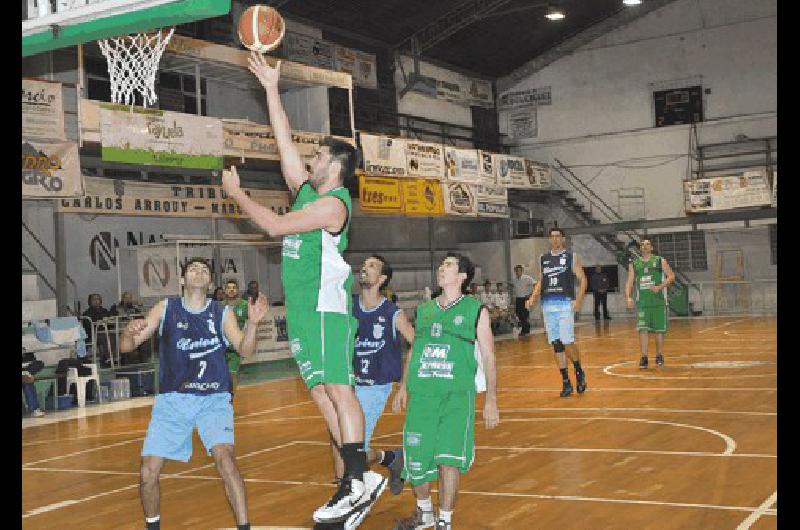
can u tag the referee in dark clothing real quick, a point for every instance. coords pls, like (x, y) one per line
(523, 287)
(599, 285)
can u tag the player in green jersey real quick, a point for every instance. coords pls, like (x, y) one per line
(239, 307)
(452, 357)
(316, 284)
(652, 275)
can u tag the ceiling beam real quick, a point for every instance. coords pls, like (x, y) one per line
(624, 16)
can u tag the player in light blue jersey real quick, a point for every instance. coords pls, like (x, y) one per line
(194, 384)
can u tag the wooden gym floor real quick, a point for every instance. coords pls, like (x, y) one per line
(691, 445)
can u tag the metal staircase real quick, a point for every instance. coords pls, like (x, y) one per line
(623, 249)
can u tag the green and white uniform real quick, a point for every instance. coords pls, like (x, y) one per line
(651, 308)
(231, 355)
(440, 420)
(316, 284)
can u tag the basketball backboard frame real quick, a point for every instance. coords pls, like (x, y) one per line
(108, 18)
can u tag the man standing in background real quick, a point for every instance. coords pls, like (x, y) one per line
(600, 292)
(523, 287)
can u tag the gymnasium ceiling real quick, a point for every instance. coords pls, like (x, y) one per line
(511, 34)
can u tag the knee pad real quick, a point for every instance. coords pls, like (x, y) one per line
(558, 346)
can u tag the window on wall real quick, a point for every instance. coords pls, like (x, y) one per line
(685, 251)
(773, 243)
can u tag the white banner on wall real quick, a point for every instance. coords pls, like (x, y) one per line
(525, 98)
(51, 170)
(538, 174)
(42, 110)
(775, 188)
(522, 123)
(492, 200)
(487, 175)
(462, 165)
(724, 193)
(510, 171)
(384, 155)
(424, 159)
(460, 199)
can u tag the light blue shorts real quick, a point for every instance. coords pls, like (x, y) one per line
(373, 401)
(175, 416)
(559, 320)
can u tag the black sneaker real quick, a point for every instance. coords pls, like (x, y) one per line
(643, 363)
(566, 389)
(660, 360)
(395, 482)
(580, 382)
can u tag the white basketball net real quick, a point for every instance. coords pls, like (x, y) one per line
(132, 64)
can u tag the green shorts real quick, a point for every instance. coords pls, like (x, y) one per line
(322, 345)
(652, 319)
(439, 431)
(234, 361)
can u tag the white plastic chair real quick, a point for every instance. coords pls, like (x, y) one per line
(81, 382)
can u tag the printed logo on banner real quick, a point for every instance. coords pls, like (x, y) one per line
(155, 272)
(102, 251)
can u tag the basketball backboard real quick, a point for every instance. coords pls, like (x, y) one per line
(76, 22)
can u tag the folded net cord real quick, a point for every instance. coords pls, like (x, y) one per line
(132, 64)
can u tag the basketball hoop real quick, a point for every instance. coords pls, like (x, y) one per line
(132, 64)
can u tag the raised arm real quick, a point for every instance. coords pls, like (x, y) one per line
(244, 341)
(491, 416)
(139, 330)
(327, 213)
(292, 166)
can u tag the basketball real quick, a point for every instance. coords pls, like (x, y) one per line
(261, 28)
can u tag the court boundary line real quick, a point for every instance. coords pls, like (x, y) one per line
(762, 510)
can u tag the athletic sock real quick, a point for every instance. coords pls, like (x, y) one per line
(577, 365)
(426, 505)
(153, 523)
(245, 526)
(564, 375)
(388, 458)
(447, 517)
(355, 460)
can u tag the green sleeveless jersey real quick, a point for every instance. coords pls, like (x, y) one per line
(315, 276)
(648, 273)
(443, 355)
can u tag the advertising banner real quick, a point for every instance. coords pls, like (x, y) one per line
(424, 159)
(510, 171)
(135, 135)
(384, 155)
(360, 65)
(422, 197)
(749, 189)
(525, 98)
(538, 174)
(492, 200)
(487, 175)
(379, 194)
(51, 170)
(462, 165)
(308, 50)
(522, 123)
(157, 271)
(42, 110)
(460, 199)
(121, 197)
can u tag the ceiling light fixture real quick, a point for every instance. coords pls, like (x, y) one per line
(631, 2)
(554, 13)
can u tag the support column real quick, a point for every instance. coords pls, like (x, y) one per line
(62, 298)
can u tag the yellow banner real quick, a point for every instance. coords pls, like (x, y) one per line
(379, 194)
(422, 197)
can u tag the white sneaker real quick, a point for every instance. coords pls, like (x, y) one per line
(38, 413)
(351, 495)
